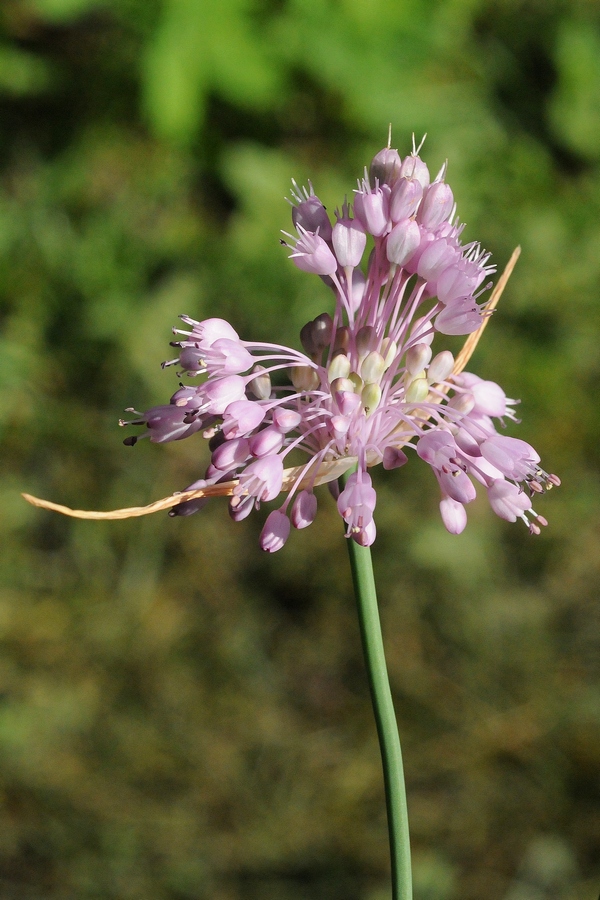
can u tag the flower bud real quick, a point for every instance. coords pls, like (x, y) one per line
(402, 242)
(370, 398)
(342, 339)
(385, 167)
(349, 242)
(440, 367)
(223, 391)
(372, 367)
(436, 257)
(414, 167)
(418, 357)
(357, 381)
(371, 207)
(304, 378)
(417, 391)
(230, 454)
(267, 441)
(366, 339)
(261, 385)
(322, 328)
(276, 531)
(241, 417)
(341, 386)
(437, 204)
(307, 339)
(304, 509)
(454, 515)
(286, 419)
(339, 367)
(406, 196)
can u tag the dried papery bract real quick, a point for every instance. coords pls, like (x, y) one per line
(373, 380)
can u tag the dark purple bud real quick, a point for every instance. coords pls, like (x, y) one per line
(385, 167)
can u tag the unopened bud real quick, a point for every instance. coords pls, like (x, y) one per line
(437, 204)
(417, 358)
(370, 398)
(403, 242)
(437, 256)
(304, 378)
(307, 339)
(322, 327)
(342, 386)
(349, 242)
(417, 390)
(357, 381)
(372, 368)
(385, 166)
(406, 196)
(339, 367)
(414, 167)
(342, 338)
(286, 419)
(366, 339)
(440, 367)
(462, 403)
(261, 385)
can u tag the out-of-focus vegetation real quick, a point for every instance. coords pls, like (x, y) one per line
(182, 716)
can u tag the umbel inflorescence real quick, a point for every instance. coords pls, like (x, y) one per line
(367, 387)
(370, 384)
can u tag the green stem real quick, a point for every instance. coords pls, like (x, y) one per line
(385, 717)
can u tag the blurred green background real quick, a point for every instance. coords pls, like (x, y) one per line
(181, 716)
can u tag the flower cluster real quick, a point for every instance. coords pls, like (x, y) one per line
(367, 386)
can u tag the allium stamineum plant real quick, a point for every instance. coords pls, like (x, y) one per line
(367, 388)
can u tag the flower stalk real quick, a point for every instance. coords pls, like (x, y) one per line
(385, 717)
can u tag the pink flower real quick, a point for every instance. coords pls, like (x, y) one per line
(275, 532)
(371, 384)
(356, 504)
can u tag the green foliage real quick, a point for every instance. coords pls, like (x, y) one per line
(181, 716)
(576, 107)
